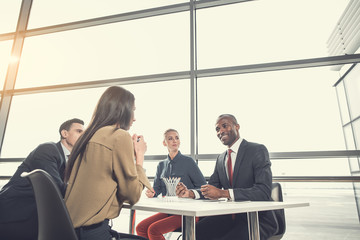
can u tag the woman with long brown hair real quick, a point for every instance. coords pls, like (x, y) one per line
(105, 167)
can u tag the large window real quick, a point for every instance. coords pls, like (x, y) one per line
(292, 110)
(36, 118)
(265, 31)
(5, 52)
(266, 62)
(46, 13)
(131, 48)
(9, 12)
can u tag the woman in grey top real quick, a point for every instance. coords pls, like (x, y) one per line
(178, 166)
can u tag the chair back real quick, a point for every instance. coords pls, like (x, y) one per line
(54, 220)
(276, 192)
(277, 196)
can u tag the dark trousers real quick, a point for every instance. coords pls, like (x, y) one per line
(22, 230)
(102, 231)
(223, 227)
(230, 227)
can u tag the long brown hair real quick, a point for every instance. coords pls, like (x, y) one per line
(115, 106)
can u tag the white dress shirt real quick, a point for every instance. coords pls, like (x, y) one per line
(66, 151)
(234, 148)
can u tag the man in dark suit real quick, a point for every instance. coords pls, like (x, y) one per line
(18, 213)
(241, 173)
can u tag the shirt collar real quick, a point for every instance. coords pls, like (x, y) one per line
(66, 151)
(236, 145)
(175, 158)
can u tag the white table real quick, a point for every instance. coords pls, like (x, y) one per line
(190, 208)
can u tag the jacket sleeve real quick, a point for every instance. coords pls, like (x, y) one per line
(262, 177)
(214, 179)
(47, 157)
(131, 178)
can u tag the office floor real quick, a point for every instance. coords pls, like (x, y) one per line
(332, 215)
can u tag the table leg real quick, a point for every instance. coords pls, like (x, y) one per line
(253, 224)
(132, 221)
(188, 228)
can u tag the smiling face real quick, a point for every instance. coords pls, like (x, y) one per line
(227, 131)
(172, 141)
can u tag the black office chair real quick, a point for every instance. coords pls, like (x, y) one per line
(53, 216)
(276, 195)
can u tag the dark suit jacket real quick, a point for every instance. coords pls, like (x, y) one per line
(17, 200)
(252, 180)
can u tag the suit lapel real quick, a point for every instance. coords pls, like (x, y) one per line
(239, 158)
(222, 171)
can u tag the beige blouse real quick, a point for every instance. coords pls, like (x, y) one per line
(106, 178)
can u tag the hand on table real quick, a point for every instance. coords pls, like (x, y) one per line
(183, 192)
(211, 192)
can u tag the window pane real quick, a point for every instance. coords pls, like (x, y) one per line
(139, 47)
(8, 169)
(45, 13)
(349, 137)
(9, 14)
(356, 126)
(160, 106)
(311, 167)
(3, 182)
(150, 168)
(354, 164)
(155, 104)
(44, 114)
(343, 103)
(207, 167)
(265, 31)
(352, 84)
(5, 53)
(292, 110)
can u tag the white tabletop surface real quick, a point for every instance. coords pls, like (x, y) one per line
(201, 208)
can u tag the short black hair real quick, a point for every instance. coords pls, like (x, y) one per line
(67, 124)
(227, 115)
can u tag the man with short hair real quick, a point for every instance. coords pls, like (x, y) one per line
(18, 212)
(241, 173)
